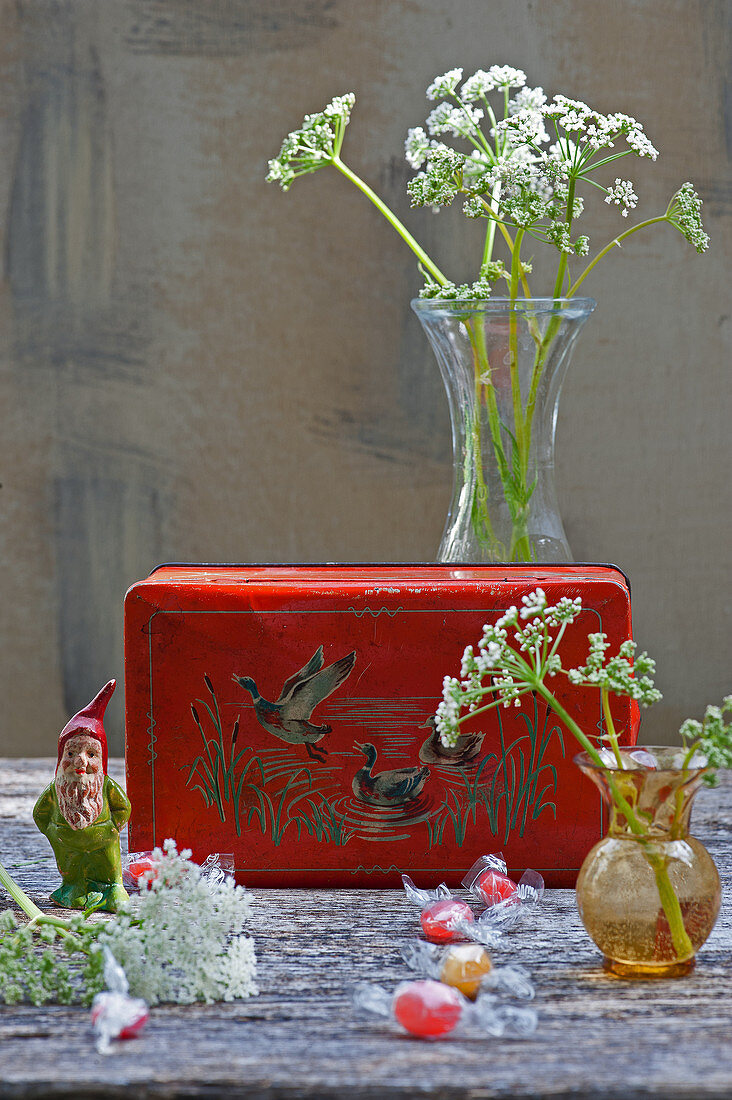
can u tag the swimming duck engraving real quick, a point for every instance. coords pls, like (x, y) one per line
(389, 788)
(289, 716)
(465, 749)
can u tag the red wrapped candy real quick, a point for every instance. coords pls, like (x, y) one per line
(431, 1010)
(441, 920)
(428, 1008)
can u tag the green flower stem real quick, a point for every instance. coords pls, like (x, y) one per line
(679, 797)
(19, 896)
(670, 904)
(490, 234)
(509, 242)
(36, 915)
(402, 230)
(481, 366)
(616, 242)
(518, 412)
(611, 726)
(544, 343)
(520, 545)
(563, 258)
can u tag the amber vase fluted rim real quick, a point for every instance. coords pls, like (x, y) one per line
(664, 758)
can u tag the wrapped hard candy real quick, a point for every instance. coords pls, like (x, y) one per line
(468, 968)
(429, 1009)
(442, 916)
(114, 1014)
(506, 901)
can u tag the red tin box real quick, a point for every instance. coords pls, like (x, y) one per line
(219, 767)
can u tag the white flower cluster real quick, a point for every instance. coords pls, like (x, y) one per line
(713, 736)
(565, 610)
(416, 147)
(445, 85)
(624, 674)
(458, 121)
(482, 83)
(525, 127)
(180, 940)
(479, 291)
(534, 604)
(598, 131)
(314, 144)
(504, 669)
(684, 212)
(622, 194)
(440, 183)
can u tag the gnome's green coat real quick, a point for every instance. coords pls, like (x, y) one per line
(88, 859)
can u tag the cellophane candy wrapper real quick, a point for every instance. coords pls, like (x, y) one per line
(137, 865)
(506, 901)
(448, 919)
(442, 916)
(468, 968)
(114, 1014)
(431, 1010)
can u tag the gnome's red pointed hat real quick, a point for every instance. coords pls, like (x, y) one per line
(89, 721)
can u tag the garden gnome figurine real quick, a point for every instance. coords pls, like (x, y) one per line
(82, 812)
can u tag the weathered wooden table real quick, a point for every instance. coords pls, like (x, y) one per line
(598, 1036)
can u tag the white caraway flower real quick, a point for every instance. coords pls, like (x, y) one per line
(534, 604)
(531, 98)
(504, 76)
(684, 212)
(622, 194)
(416, 147)
(509, 618)
(180, 940)
(634, 135)
(476, 86)
(482, 83)
(565, 610)
(445, 85)
(458, 121)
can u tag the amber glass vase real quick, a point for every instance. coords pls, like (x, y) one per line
(648, 893)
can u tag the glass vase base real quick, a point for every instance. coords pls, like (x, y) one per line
(634, 971)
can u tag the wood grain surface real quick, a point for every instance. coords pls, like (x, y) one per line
(300, 1038)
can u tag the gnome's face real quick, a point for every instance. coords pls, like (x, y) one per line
(79, 780)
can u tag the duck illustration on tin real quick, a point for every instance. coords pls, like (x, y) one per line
(463, 752)
(288, 718)
(387, 788)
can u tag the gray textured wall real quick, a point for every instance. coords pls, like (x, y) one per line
(195, 366)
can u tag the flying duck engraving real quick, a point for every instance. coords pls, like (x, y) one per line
(390, 788)
(289, 716)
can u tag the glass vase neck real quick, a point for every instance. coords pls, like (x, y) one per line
(660, 796)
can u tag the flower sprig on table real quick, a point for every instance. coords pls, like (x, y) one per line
(180, 941)
(520, 162)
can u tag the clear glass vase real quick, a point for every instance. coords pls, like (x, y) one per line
(648, 899)
(503, 362)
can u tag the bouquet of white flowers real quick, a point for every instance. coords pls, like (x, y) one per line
(519, 164)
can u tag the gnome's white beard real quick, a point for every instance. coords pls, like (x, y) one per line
(80, 800)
